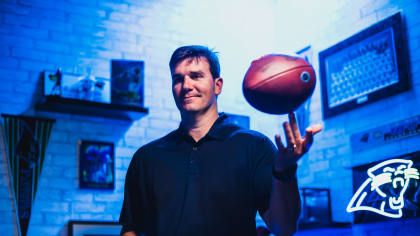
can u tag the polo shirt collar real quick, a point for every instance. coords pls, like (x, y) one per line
(217, 130)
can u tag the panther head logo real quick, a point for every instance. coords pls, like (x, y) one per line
(383, 192)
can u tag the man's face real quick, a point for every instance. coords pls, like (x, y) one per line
(193, 87)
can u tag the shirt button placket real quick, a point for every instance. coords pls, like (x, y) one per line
(194, 169)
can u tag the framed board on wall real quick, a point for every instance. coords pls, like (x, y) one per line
(93, 228)
(369, 66)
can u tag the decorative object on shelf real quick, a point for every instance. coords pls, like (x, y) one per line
(303, 111)
(52, 82)
(26, 140)
(387, 189)
(127, 82)
(96, 161)
(83, 87)
(84, 228)
(366, 67)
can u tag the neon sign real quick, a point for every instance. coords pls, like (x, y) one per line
(385, 188)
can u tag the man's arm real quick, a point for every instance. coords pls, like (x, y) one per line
(284, 208)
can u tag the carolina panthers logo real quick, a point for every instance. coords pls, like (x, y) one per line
(385, 188)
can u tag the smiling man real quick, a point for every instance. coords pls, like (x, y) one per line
(210, 177)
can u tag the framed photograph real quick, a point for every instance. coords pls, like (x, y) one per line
(366, 67)
(73, 86)
(316, 205)
(96, 160)
(93, 228)
(127, 82)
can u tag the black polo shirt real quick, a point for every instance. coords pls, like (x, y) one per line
(176, 186)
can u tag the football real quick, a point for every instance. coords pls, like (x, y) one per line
(278, 84)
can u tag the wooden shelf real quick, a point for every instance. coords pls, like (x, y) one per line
(89, 108)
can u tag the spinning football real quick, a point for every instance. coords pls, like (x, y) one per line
(278, 84)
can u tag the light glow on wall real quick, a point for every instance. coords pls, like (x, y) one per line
(388, 181)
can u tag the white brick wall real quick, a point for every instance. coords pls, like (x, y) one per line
(82, 36)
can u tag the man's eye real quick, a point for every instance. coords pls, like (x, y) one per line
(196, 76)
(176, 79)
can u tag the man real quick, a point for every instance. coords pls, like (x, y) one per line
(209, 177)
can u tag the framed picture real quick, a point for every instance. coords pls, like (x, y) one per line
(93, 228)
(73, 86)
(366, 67)
(127, 82)
(96, 160)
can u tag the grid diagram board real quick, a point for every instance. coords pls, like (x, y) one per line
(366, 67)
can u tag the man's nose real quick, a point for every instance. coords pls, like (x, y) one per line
(187, 85)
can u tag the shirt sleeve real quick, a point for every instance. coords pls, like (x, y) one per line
(265, 155)
(131, 217)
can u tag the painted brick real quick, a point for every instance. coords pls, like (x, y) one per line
(88, 207)
(91, 3)
(35, 65)
(109, 5)
(123, 17)
(52, 47)
(8, 229)
(56, 26)
(101, 217)
(60, 183)
(13, 74)
(108, 197)
(37, 218)
(30, 32)
(6, 217)
(61, 59)
(90, 31)
(134, 142)
(57, 219)
(21, 20)
(53, 171)
(59, 148)
(65, 159)
(81, 20)
(49, 194)
(16, 41)
(15, 9)
(52, 206)
(114, 206)
(44, 230)
(4, 50)
(7, 62)
(79, 196)
(29, 54)
(70, 173)
(48, 14)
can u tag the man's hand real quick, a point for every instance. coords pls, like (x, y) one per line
(296, 145)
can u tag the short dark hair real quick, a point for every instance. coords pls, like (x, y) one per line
(196, 51)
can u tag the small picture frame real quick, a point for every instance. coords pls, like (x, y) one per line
(96, 160)
(127, 82)
(93, 228)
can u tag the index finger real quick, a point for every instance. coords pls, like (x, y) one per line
(295, 127)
